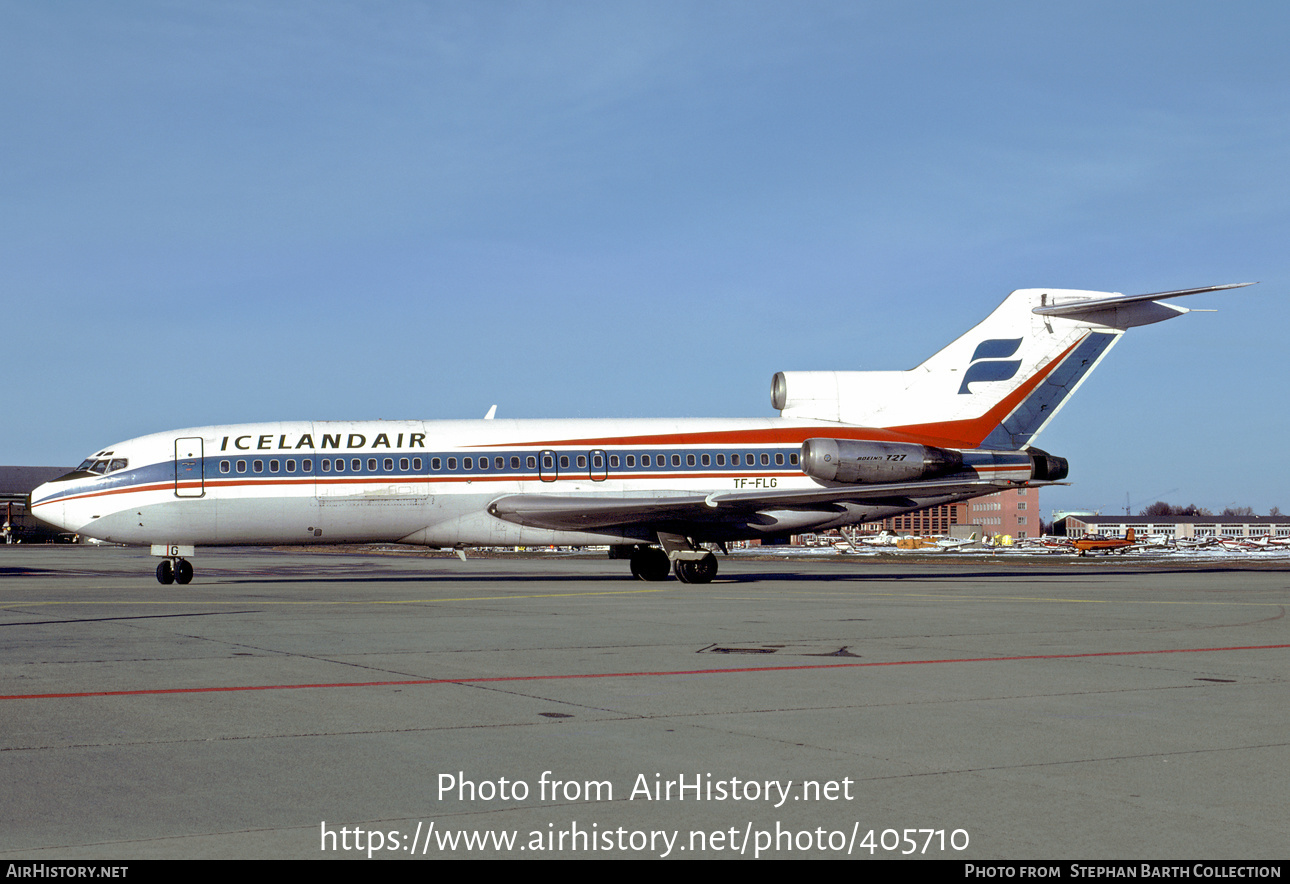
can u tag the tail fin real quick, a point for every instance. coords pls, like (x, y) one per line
(995, 387)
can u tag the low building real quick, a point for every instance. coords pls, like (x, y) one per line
(1181, 527)
(16, 524)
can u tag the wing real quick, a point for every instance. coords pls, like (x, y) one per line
(588, 512)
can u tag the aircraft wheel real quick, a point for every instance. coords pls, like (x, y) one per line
(183, 571)
(165, 574)
(650, 563)
(701, 571)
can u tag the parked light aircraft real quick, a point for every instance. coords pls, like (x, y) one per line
(848, 447)
(1106, 545)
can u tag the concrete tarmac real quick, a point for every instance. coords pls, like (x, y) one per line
(293, 704)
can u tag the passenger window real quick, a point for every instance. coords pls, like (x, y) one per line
(274, 466)
(403, 464)
(734, 460)
(564, 461)
(721, 460)
(631, 460)
(241, 466)
(326, 465)
(613, 461)
(582, 461)
(291, 466)
(436, 464)
(779, 458)
(416, 464)
(257, 466)
(224, 466)
(499, 463)
(389, 465)
(707, 460)
(792, 458)
(515, 463)
(340, 465)
(689, 460)
(645, 460)
(467, 463)
(531, 462)
(765, 459)
(306, 465)
(371, 464)
(483, 463)
(452, 463)
(356, 465)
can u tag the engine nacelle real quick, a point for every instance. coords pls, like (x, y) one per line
(1047, 467)
(854, 461)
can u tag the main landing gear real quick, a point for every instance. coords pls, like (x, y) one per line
(690, 563)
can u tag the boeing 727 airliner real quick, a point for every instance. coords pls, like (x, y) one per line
(848, 447)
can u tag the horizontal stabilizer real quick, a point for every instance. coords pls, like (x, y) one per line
(1078, 309)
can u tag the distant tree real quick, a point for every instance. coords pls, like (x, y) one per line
(1238, 511)
(1160, 508)
(1275, 511)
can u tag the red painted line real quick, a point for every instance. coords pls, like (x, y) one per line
(431, 478)
(505, 678)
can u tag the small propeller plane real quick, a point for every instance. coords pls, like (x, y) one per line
(1098, 543)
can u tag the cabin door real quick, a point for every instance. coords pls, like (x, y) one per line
(190, 471)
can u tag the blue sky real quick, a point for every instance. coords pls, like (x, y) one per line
(258, 211)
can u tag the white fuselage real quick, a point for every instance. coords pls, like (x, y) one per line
(428, 482)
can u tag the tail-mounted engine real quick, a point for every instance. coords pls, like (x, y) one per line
(854, 461)
(849, 460)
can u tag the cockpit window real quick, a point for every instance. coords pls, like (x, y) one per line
(103, 465)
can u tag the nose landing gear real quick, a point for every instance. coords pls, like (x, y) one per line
(180, 571)
(174, 568)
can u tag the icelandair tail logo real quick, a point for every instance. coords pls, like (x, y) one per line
(990, 362)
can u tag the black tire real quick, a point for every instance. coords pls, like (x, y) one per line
(165, 574)
(701, 571)
(183, 571)
(650, 563)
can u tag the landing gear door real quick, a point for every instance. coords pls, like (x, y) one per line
(190, 472)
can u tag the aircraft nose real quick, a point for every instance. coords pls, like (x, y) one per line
(42, 507)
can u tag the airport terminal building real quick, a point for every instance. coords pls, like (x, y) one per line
(1014, 512)
(1181, 527)
(16, 524)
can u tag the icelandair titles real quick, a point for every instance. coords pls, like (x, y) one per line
(329, 440)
